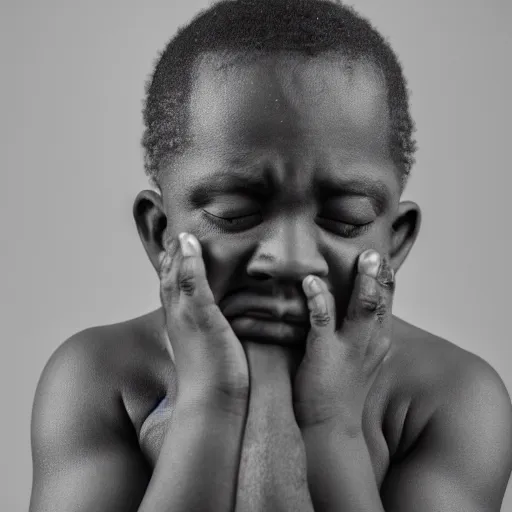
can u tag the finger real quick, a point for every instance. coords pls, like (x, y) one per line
(192, 274)
(386, 284)
(322, 314)
(371, 300)
(168, 273)
(197, 302)
(169, 246)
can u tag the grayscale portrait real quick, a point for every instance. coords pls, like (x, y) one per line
(255, 256)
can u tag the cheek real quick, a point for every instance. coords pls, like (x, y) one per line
(177, 221)
(225, 260)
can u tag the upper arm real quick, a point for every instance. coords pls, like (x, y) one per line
(84, 455)
(463, 458)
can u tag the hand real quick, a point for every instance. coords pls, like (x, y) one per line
(338, 368)
(210, 361)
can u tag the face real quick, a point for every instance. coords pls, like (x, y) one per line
(289, 174)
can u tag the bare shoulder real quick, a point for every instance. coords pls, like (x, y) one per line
(102, 368)
(91, 390)
(430, 364)
(103, 354)
(456, 431)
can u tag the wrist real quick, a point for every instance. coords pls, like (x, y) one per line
(340, 471)
(333, 432)
(214, 402)
(338, 426)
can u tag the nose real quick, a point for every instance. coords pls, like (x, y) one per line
(288, 253)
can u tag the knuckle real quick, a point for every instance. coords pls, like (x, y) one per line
(320, 318)
(371, 301)
(368, 294)
(370, 304)
(386, 276)
(320, 310)
(381, 311)
(187, 281)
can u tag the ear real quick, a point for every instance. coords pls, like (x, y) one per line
(151, 221)
(404, 232)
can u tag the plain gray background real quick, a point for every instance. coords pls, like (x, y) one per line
(72, 84)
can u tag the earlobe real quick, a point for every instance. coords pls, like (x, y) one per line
(404, 232)
(151, 221)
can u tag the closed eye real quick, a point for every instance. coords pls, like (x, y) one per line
(344, 229)
(235, 222)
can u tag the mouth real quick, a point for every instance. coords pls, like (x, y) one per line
(266, 307)
(267, 319)
(268, 331)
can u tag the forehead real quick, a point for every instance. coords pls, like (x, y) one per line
(313, 112)
(320, 93)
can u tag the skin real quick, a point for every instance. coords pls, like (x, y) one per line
(428, 424)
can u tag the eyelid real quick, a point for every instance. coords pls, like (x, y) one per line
(233, 224)
(349, 217)
(329, 219)
(354, 230)
(223, 217)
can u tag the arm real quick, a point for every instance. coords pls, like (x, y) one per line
(332, 384)
(462, 460)
(273, 474)
(86, 456)
(198, 465)
(340, 472)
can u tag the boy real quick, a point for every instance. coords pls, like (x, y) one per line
(274, 377)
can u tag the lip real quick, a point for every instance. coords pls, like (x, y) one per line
(268, 331)
(266, 308)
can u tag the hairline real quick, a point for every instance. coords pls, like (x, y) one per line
(227, 59)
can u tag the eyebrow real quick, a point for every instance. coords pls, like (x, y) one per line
(259, 182)
(232, 180)
(373, 188)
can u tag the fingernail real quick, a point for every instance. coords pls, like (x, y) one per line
(369, 263)
(189, 244)
(313, 284)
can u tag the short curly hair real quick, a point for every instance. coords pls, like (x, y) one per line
(260, 27)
